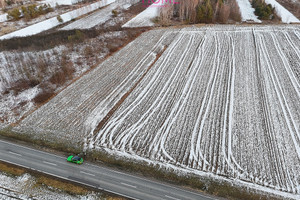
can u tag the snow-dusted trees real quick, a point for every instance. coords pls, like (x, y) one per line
(201, 11)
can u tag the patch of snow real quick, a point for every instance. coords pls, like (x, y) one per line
(3, 17)
(94, 19)
(145, 18)
(247, 12)
(53, 22)
(53, 3)
(286, 16)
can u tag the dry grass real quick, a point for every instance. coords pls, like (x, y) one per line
(11, 170)
(7, 29)
(64, 186)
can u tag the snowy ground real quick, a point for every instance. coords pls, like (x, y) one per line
(53, 22)
(23, 188)
(221, 101)
(247, 12)
(53, 3)
(98, 17)
(3, 17)
(284, 14)
(146, 17)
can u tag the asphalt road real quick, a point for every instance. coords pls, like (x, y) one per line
(102, 178)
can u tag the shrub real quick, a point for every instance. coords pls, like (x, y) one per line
(58, 78)
(59, 19)
(262, 10)
(78, 36)
(15, 14)
(114, 12)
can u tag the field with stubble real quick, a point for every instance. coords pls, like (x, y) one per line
(218, 100)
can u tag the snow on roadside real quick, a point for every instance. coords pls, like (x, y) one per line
(286, 16)
(53, 22)
(145, 18)
(247, 12)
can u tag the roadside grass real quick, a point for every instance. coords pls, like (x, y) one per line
(61, 185)
(10, 170)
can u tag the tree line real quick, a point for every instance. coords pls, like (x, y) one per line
(201, 11)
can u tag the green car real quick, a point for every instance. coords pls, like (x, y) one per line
(75, 159)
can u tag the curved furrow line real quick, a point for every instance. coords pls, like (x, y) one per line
(287, 100)
(110, 128)
(227, 126)
(193, 101)
(121, 115)
(287, 113)
(160, 136)
(195, 150)
(271, 140)
(264, 102)
(178, 108)
(113, 121)
(192, 73)
(287, 67)
(126, 81)
(125, 114)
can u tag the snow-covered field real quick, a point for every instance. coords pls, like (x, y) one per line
(247, 12)
(53, 22)
(99, 17)
(53, 3)
(23, 188)
(221, 101)
(146, 17)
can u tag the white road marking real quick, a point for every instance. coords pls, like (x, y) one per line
(133, 186)
(171, 197)
(49, 163)
(87, 173)
(17, 154)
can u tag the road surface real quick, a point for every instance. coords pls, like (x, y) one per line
(102, 178)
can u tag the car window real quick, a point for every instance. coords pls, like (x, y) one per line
(76, 158)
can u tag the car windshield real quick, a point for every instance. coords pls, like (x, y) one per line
(76, 158)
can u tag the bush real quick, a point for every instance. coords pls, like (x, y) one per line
(78, 36)
(59, 19)
(29, 12)
(114, 12)
(262, 10)
(15, 14)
